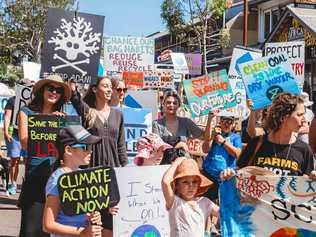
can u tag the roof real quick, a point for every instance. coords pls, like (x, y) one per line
(306, 16)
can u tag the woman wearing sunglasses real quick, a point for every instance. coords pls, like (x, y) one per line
(50, 94)
(118, 94)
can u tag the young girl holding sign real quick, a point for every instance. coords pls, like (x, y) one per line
(183, 186)
(73, 142)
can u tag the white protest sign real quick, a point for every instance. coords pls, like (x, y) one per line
(179, 63)
(3, 103)
(128, 54)
(142, 99)
(240, 55)
(31, 71)
(142, 208)
(22, 98)
(295, 50)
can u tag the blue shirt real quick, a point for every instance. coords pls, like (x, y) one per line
(218, 157)
(52, 189)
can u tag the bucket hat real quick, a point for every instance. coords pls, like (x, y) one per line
(189, 167)
(53, 79)
(147, 144)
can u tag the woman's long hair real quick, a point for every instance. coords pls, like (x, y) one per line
(37, 102)
(283, 105)
(90, 99)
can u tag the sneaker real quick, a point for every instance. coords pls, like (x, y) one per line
(12, 189)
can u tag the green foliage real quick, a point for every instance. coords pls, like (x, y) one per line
(10, 74)
(23, 23)
(224, 40)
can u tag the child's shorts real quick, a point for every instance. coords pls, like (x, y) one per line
(14, 149)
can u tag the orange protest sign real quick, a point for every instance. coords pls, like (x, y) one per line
(134, 79)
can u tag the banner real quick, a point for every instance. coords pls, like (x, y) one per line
(142, 209)
(22, 98)
(137, 123)
(72, 45)
(267, 206)
(43, 130)
(295, 50)
(166, 77)
(128, 54)
(240, 55)
(194, 62)
(31, 70)
(179, 63)
(209, 92)
(88, 190)
(3, 103)
(266, 77)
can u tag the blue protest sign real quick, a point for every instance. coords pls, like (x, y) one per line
(137, 123)
(266, 77)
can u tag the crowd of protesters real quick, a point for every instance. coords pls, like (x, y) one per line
(281, 132)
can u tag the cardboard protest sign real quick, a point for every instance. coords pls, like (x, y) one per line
(179, 63)
(142, 99)
(22, 98)
(142, 208)
(295, 50)
(128, 54)
(31, 70)
(72, 45)
(266, 77)
(88, 190)
(195, 147)
(134, 79)
(137, 123)
(165, 77)
(261, 206)
(209, 92)
(43, 130)
(240, 55)
(194, 62)
(3, 103)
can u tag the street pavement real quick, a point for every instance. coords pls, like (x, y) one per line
(9, 213)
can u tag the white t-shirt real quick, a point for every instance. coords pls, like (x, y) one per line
(188, 220)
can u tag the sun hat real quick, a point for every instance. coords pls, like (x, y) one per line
(147, 144)
(305, 97)
(53, 79)
(189, 167)
(227, 114)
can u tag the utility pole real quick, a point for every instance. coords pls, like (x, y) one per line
(245, 30)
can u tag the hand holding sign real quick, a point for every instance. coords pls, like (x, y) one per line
(88, 190)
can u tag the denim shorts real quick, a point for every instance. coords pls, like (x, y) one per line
(14, 148)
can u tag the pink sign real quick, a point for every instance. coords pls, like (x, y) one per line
(194, 61)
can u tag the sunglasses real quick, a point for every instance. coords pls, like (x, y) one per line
(121, 89)
(52, 89)
(227, 120)
(81, 146)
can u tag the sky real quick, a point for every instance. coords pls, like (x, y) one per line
(126, 17)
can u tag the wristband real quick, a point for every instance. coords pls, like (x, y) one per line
(223, 143)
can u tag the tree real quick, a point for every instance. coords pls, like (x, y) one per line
(22, 25)
(196, 22)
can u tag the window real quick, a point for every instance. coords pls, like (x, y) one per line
(269, 19)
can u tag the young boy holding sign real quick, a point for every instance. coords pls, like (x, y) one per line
(73, 153)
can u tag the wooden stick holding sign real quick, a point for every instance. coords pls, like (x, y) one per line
(88, 190)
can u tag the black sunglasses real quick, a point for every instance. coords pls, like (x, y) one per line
(121, 89)
(58, 90)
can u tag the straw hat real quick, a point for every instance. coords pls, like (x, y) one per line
(189, 167)
(53, 79)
